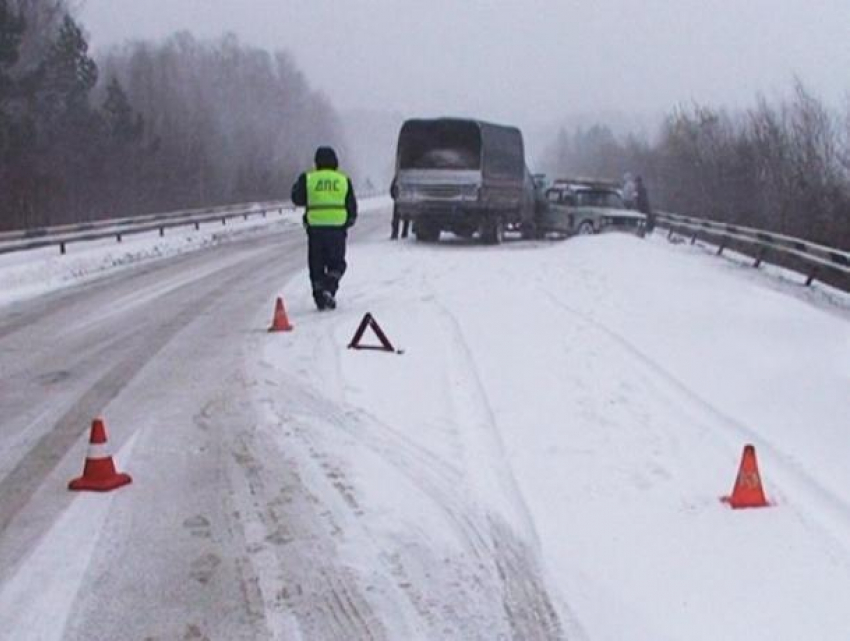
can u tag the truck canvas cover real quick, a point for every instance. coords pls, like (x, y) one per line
(462, 145)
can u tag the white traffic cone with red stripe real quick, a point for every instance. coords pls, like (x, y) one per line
(99, 474)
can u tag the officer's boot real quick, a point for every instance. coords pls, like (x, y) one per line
(319, 297)
(331, 285)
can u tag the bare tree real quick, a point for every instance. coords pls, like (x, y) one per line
(783, 167)
(228, 121)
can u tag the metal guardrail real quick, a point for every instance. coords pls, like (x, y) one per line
(766, 246)
(62, 235)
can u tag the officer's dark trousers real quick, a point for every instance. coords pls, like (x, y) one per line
(326, 257)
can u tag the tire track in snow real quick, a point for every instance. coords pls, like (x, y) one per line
(291, 536)
(436, 480)
(526, 598)
(502, 558)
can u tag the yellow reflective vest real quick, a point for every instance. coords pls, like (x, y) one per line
(327, 190)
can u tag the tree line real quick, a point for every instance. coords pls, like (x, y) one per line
(782, 166)
(148, 126)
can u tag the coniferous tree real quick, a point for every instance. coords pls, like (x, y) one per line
(67, 77)
(11, 32)
(185, 123)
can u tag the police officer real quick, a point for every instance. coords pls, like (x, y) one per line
(331, 208)
(642, 203)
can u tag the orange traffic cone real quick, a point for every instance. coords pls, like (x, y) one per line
(281, 322)
(748, 491)
(99, 473)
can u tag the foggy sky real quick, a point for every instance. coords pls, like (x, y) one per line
(523, 61)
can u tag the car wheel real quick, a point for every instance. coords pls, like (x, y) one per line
(586, 228)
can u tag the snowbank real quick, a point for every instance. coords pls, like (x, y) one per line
(30, 273)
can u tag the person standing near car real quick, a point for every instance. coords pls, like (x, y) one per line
(642, 203)
(629, 190)
(331, 209)
(405, 224)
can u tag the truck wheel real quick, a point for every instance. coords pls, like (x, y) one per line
(586, 228)
(529, 231)
(427, 233)
(493, 231)
(464, 231)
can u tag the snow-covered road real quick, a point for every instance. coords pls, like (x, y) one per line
(543, 461)
(574, 412)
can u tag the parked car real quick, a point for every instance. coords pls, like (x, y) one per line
(464, 176)
(583, 206)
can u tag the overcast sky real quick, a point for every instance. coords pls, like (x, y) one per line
(528, 61)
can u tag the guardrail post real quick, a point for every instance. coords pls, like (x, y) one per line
(812, 275)
(720, 249)
(759, 258)
(161, 232)
(197, 226)
(223, 220)
(62, 248)
(693, 239)
(245, 216)
(264, 213)
(118, 238)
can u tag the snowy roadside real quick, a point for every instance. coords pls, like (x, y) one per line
(555, 438)
(28, 274)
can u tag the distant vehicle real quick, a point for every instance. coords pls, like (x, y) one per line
(574, 183)
(585, 206)
(464, 176)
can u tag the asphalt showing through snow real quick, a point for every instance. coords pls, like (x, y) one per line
(218, 535)
(66, 356)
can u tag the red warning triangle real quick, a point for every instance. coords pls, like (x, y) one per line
(370, 322)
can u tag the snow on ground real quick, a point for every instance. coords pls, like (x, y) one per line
(566, 416)
(26, 274)
(53, 573)
(547, 455)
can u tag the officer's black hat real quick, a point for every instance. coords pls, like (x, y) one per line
(326, 158)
